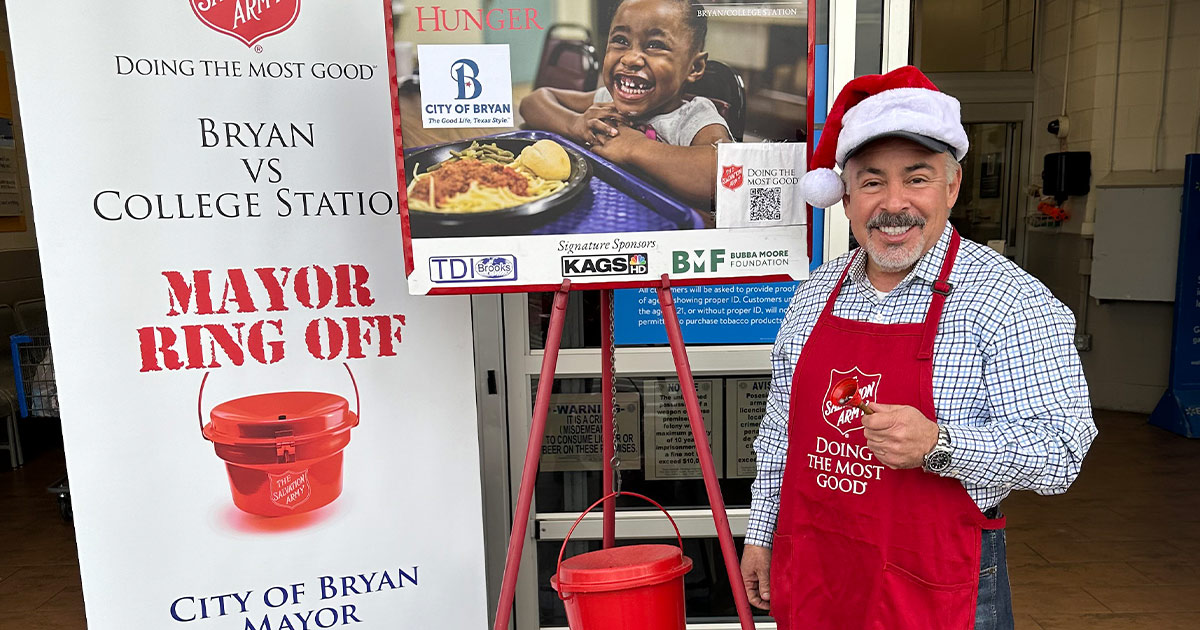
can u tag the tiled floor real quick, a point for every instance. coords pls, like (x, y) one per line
(1122, 548)
(1120, 551)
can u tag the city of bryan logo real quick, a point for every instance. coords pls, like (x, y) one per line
(605, 265)
(248, 21)
(847, 419)
(466, 74)
(731, 177)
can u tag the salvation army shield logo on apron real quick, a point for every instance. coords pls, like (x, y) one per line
(248, 21)
(848, 418)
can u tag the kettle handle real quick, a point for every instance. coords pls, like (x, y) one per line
(613, 495)
(200, 399)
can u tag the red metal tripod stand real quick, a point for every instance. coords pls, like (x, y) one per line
(541, 408)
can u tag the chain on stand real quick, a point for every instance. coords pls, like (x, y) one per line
(615, 462)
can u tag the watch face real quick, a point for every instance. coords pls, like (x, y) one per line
(938, 461)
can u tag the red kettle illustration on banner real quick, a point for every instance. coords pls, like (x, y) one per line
(282, 450)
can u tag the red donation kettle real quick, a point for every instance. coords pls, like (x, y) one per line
(637, 587)
(282, 450)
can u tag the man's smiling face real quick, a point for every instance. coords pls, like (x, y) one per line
(898, 200)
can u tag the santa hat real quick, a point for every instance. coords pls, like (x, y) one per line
(903, 103)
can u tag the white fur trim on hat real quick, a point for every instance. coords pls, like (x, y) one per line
(822, 188)
(917, 110)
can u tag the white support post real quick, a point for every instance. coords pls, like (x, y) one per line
(843, 26)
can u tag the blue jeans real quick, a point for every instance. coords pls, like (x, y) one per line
(994, 608)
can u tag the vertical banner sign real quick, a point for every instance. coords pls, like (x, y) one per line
(1179, 408)
(573, 430)
(746, 403)
(670, 450)
(263, 430)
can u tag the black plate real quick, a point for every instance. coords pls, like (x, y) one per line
(506, 221)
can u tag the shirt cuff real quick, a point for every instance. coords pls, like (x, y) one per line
(760, 530)
(968, 460)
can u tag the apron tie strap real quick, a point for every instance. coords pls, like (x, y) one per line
(837, 288)
(941, 289)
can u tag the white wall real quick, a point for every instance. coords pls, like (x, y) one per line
(1114, 76)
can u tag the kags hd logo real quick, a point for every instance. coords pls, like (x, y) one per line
(495, 268)
(605, 265)
(697, 261)
(248, 21)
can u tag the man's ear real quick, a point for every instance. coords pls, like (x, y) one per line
(955, 186)
(699, 65)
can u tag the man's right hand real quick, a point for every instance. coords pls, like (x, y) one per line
(756, 575)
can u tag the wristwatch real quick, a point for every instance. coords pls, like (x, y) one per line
(937, 460)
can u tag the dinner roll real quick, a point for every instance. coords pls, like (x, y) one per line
(547, 159)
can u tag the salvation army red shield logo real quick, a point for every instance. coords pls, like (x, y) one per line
(289, 489)
(846, 389)
(248, 21)
(731, 177)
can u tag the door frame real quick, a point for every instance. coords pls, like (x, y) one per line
(502, 347)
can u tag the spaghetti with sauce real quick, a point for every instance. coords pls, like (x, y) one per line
(485, 177)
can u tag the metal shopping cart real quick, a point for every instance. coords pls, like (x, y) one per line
(37, 393)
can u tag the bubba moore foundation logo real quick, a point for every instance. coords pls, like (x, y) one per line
(248, 21)
(605, 265)
(847, 418)
(718, 260)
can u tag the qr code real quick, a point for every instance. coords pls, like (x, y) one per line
(765, 204)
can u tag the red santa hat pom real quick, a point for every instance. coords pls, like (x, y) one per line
(904, 103)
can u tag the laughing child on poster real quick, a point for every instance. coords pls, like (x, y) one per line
(640, 118)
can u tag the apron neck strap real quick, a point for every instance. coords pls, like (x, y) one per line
(837, 288)
(941, 289)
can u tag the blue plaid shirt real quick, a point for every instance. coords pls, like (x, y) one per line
(1007, 381)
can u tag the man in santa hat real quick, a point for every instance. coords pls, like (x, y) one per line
(917, 380)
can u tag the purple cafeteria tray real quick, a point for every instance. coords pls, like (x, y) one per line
(616, 200)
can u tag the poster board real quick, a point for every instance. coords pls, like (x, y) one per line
(670, 450)
(573, 435)
(746, 403)
(246, 390)
(688, 183)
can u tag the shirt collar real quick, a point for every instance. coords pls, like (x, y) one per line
(928, 267)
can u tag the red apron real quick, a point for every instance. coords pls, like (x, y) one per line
(859, 545)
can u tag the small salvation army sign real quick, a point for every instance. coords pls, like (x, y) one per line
(263, 429)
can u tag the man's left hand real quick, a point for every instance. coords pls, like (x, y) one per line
(899, 435)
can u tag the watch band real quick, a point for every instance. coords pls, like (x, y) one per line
(938, 458)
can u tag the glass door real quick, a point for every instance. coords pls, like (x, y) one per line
(991, 206)
(653, 439)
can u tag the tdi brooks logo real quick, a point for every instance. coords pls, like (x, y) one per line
(697, 260)
(466, 73)
(248, 21)
(731, 177)
(448, 269)
(605, 265)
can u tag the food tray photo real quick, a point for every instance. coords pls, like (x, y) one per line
(598, 197)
